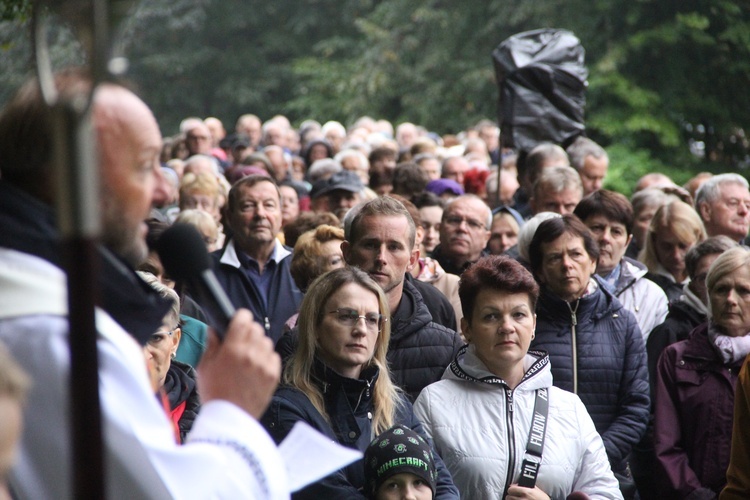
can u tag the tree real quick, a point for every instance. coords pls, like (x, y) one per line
(665, 75)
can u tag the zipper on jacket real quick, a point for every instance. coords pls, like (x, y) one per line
(511, 440)
(363, 391)
(573, 324)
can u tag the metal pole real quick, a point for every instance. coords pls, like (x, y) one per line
(75, 165)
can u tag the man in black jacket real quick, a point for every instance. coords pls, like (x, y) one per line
(380, 241)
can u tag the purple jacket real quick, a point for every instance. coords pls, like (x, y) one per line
(693, 411)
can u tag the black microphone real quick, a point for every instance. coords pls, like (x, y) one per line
(185, 258)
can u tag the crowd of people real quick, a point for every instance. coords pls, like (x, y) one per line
(478, 322)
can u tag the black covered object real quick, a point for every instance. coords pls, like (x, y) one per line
(542, 81)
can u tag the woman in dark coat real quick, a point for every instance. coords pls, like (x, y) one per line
(595, 346)
(337, 380)
(695, 386)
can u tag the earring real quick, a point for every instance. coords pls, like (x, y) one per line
(173, 355)
(533, 334)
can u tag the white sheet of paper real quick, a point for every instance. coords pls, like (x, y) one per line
(309, 456)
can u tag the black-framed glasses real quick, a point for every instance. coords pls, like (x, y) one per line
(349, 317)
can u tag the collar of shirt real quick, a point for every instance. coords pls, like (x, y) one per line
(231, 258)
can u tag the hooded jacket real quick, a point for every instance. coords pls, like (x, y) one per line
(641, 296)
(693, 412)
(349, 404)
(600, 350)
(480, 427)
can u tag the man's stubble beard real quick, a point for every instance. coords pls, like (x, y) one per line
(126, 242)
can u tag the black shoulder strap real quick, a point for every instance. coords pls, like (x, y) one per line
(533, 457)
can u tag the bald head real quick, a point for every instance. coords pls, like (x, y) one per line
(199, 140)
(129, 145)
(128, 141)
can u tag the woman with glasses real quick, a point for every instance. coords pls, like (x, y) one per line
(337, 379)
(495, 416)
(177, 380)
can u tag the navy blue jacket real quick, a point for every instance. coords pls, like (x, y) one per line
(284, 298)
(611, 357)
(349, 404)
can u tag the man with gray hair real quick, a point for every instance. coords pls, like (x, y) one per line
(464, 233)
(591, 162)
(335, 133)
(557, 189)
(723, 203)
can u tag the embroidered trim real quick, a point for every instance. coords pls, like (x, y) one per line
(250, 459)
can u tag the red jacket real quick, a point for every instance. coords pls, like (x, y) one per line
(693, 411)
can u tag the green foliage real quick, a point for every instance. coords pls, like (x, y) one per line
(663, 74)
(627, 165)
(15, 10)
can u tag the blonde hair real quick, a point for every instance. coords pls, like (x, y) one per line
(725, 264)
(298, 372)
(201, 220)
(682, 220)
(202, 183)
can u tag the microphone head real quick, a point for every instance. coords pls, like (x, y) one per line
(183, 252)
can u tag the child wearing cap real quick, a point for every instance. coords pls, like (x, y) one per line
(399, 464)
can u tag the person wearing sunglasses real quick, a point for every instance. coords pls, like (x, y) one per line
(338, 381)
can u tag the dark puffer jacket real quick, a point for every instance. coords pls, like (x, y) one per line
(693, 412)
(420, 349)
(349, 405)
(438, 304)
(611, 364)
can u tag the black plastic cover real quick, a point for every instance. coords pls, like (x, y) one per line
(542, 81)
